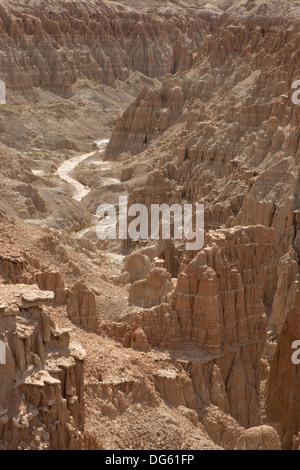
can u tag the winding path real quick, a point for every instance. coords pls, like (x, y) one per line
(80, 191)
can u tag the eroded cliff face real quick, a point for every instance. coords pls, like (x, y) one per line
(283, 383)
(218, 306)
(51, 45)
(226, 133)
(41, 393)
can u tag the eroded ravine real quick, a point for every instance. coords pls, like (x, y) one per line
(80, 191)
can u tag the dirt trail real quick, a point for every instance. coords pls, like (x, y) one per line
(63, 172)
(80, 191)
(66, 168)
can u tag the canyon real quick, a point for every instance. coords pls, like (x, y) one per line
(132, 344)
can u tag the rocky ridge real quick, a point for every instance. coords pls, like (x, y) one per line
(42, 401)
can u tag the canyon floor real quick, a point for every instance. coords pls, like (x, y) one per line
(132, 344)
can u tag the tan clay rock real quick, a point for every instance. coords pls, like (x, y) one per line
(137, 266)
(41, 393)
(81, 306)
(259, 438)
(154, 290)
(283, 383)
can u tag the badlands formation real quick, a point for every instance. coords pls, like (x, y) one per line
(141, 344)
